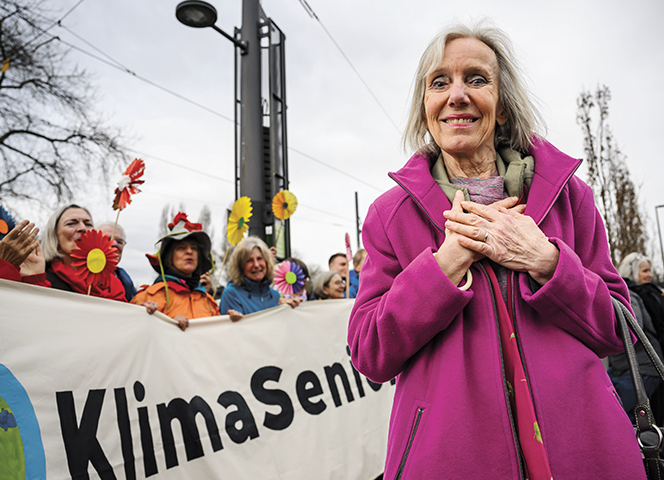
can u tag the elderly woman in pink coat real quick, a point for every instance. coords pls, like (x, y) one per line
(487, 288)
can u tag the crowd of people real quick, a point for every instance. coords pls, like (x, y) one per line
(183, 287)
(486, 289)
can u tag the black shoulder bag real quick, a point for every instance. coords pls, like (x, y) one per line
(648, 434)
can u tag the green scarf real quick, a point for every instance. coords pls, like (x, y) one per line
(516, 170)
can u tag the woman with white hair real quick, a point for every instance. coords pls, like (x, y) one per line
(487, 287)
(63, 229)
(635, 269)
(251, 270)
(329, 285)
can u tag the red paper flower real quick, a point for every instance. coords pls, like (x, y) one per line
(187, 225)
(128, 184)
(95, 258)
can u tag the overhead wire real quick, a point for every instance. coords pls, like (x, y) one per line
(119, 66)
(335, 169)
(55, 23)
(323, 211)
(112, 62)
(313, 15)
(143, 79)
(175, 164)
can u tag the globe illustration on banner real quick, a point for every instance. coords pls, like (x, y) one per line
(21, 449)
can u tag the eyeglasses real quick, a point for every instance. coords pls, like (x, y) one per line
(120, 242)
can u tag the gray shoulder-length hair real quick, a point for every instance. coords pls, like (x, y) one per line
(50, 239)
(321, 281)
(630, 265)
(241, 255)
(523, 118)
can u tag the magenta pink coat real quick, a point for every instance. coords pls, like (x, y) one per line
(450, 418)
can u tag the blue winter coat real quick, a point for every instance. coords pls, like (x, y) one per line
(248, 297)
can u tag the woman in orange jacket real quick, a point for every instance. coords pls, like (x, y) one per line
(177, 292)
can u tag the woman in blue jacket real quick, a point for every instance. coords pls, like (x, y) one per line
(251, 270)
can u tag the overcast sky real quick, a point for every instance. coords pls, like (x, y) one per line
(564, 47)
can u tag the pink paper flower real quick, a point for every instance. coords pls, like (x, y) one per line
(288, 278)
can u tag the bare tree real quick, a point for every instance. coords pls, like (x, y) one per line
(168, 213)
(51, 138)
(615, 193)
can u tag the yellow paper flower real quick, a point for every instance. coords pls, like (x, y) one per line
(284, 204)
(238, 220)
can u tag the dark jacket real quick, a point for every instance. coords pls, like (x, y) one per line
(127, 283)
(619, 362)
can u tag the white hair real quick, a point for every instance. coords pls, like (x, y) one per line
(50, 242)
(117, 226)
(523, 118)
(630, 266)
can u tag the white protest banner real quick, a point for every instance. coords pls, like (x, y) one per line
(93, 388)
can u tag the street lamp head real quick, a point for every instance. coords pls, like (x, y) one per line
(196, 13)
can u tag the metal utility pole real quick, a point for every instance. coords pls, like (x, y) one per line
(251, 122)
(261, 147)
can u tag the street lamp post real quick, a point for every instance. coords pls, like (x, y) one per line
(251, 127)
(251, 165)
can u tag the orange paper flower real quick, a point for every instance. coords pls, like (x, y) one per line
(95, 258)
(128, 184)
(284, 204)
(7, 223)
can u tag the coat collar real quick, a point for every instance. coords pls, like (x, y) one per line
(553, 169)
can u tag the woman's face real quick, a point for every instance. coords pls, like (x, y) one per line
(185, 257)
(255, 267)
(645, 274)
(335, 288)
(461, 99)
(73, 222)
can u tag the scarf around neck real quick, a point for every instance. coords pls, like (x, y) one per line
(113, 290)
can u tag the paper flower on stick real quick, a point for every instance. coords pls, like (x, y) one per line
(349, 252)
(238, 220)
(95, 258)
(7, 223)
(284, 204)
(128, 184)
(288, 278)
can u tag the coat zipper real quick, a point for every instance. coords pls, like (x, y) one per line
(502, 368)
(402, 465)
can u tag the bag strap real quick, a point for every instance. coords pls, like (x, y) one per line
(641, 336)
(648, 434)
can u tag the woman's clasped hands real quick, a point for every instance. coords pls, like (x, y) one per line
(500, 232)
